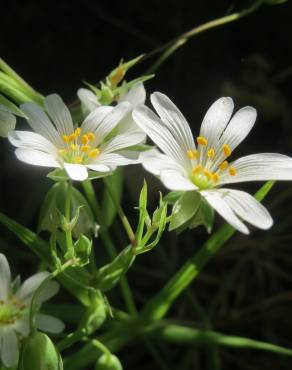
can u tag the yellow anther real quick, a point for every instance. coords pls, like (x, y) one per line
(232, 171)
(85, 148)
(208, 174)
(77, 132)
(72, 137)
(202, 140)
(192, 154)
(227, 150)
(211, 153)
(223, 166)
(62, 151)
(93, 153)
(66, 138)
(197, 169)
(215, 177)
(78, 160)
(84, 139)
(91, 136)
(73, 146)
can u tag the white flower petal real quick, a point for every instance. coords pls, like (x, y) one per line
(5, 277)
(49, 290)
(40, 123)
(114, 159)
(175, 180)
(259, 167)
(76, 172)
(95, 118)
(7, 123)
(247, 208)
(154, 162)
(49, 323)
(216, 119)
(174, 121)
(9, 350)
(30, 285)
(88, 100)
(135, 96)
(159, 134)
(98, 167)
(59, 114)
(36, 157)
(218, 202)
(31, 140)
(236, 131)
(122, 141)
(22, 326)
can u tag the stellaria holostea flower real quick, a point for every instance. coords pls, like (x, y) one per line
(57, 143)
(204, 166)
(14, 311)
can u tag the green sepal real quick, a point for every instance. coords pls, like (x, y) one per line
(9, 107)
(39, 352)
(184, 209)
(173, 196)
(109, 275)
(204, 216)
(82, 249)
(94, 315)
(108, 361)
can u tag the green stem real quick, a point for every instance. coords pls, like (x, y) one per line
(171, 46)
(110, 247)
(127, 226)
(68, 232)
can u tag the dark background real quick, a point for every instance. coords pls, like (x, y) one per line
(56, 45)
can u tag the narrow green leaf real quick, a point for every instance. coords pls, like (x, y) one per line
(183, 334)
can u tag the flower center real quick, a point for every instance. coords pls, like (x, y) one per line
(11, 310)
(79, 147)
(206, 171)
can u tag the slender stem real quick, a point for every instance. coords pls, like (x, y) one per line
(171, 46)
(68, 232)
(121, 213)
(110, 247)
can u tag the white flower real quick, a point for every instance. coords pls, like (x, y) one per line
(135, 96)
(204, 167)
(57, 143)
(7, 121)
(14, 311)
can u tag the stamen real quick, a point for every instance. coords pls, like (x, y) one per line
(232, 171)
(197, 169)
(227, 150)
(202, 140)
(72, 137)
(66, 138)
(93, 153)
(215, 177)
(223, 166)
(77, 132)
(78, 160)
(192, 154)
(208, 174)
(85, 148)
(73, 146)
(211, 153)
(91, 136)
(84, 139)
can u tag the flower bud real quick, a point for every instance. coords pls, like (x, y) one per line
(108, 361)
(39, 352)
